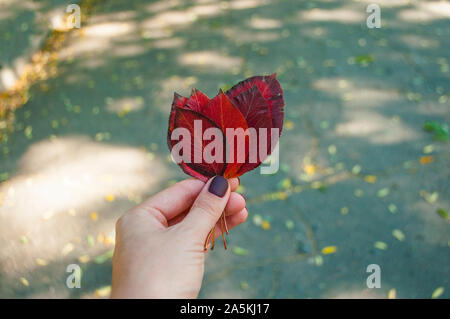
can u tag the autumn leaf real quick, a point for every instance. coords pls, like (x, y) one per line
(255, 103)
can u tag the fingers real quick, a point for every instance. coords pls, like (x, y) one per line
(208, 206)
(178, 198)
(175, 199)
(235, 204)
(234, 183)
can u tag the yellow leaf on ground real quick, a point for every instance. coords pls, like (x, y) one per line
(424, 160)
(110, 197)
(392, 294)
(265, 225)
(309, 169)
(41, 262)
(437, 292)
(67, 249)
(329, 250)
(380, 245)
(103, 292)
(109, 240)
(84, 259)
(370, 179)
(24, 281)
(94, 216)
(289, 125)
(397, 233)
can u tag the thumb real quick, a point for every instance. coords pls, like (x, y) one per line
(208, 206)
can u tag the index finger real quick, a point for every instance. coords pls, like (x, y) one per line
(179, 197)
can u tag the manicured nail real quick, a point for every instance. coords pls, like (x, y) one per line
(218, 186)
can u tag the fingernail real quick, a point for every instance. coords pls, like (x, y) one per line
(218, 186)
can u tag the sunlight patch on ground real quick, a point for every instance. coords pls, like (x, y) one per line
(264, 23)
(61, 194)
(58, 175)
(126, 104)
(171, 43)
(426, 11)
(356, 293)
(376, 128)
(245, 4)
(352, 95)
(239, 35)
(108, 30)
(388, 3)
(416, 41)
(181, 85)
(169, 19)
(210, 61)
(346, 15)
(102, 38)
(162, 5)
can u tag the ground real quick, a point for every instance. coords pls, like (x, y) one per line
(360, 182)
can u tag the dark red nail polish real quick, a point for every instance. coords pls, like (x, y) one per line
(218, 186)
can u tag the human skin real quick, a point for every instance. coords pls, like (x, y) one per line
(159, 250)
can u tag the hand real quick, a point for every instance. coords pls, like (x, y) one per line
(159, 249)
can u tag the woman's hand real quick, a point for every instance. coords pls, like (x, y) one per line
(159, 249)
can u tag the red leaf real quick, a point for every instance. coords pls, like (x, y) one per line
(197, 101)
(184, 118)
(255, 103)
(222, 112)
(270, 89)
(256, 112)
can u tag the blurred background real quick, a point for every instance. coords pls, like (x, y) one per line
(364, 155)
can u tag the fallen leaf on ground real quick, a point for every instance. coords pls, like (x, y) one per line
(392, 294)
(442, 213)
(84, 259)
(397, 233)
(329, 250)
(94, 216)
(424, 160)
(380, 245)
(370, 179)
(265, 225)
(437, 292)
(24, 281)
(239, 251)
(103, 292)
(41, 262)
(383, 192)
(67, 249)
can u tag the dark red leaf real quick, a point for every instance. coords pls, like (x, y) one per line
(255, 103)
(222, 112)
(184, 118)
(270, 89)
(256, 112)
